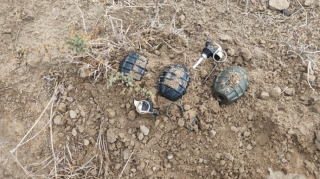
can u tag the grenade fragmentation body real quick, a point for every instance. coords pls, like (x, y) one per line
(173, 82)
(134, 64)
(230, 84)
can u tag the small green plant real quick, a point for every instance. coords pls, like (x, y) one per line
(78, 44)
(127, 80)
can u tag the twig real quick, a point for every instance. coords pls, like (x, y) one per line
(175, 50)
(83, 22)
(125, 165)
(52, 141)
(24, 137)
(83, 166)
(305, 12)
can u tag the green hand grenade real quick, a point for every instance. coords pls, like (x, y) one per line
(230, 84)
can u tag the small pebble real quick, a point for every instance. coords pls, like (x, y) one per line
(181, 122)
(140, 137)
(86, 142)
(73, 114)
(290, 91)
(264, 95)
(57, 120)
(187, 107)
(234, 129)
(286, 12)
(276, 91)
(212, 133)
(132, 115)
(170, 156)
(249, 147)
(246, 134)
(144, 129)
(74, 132)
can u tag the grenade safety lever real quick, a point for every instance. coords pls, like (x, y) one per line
(212, 49)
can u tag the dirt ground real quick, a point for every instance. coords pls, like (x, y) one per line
(59, 120)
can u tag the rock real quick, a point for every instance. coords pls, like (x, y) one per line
(246, 134)
(276, 91)
(181, 122)
(278, 4)
(62, 108)
(182, 17)
(212, 133)
(286, 12)
(126, 154)
(224, 37)
(111, 136)
(132, 115)
(144, 129)
(222, 162)
(231, 52)
(111, 113)
(117, 166)
(170, 156)
(86, 142)
(249, 147)
(264, 95)
(141, 166)
(308, 2)
(7, 31)
(290, 91)
(73, 114)
(246, 54)
(203, 74)
(58, 120)
(81, 128)
(187, 107)
(214, 106)
(74, 132)
(234, 129)
(140, 136)
(229, 156)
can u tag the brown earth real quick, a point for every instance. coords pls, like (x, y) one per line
(58, 119)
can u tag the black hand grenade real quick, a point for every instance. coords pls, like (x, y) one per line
(173, 82)
(135, 65)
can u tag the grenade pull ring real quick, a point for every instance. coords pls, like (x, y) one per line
(212, 49)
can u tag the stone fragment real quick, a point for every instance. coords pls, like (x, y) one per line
(279, 4)
(187, 107)
(246, 54)
(181, 122)
(132, 115)
(62, 108)
(264, 95)
(111, 113)
(73, 114)
(290, 91)
(144, 129)
(86, 142)
(224, 37)
(308, 2)
(231, 52)
(212, 133)
(111, 136)
(74, 132)
(276, 91)
(58, 120)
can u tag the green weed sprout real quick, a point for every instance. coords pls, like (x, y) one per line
(78, 44)
(129, 83)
